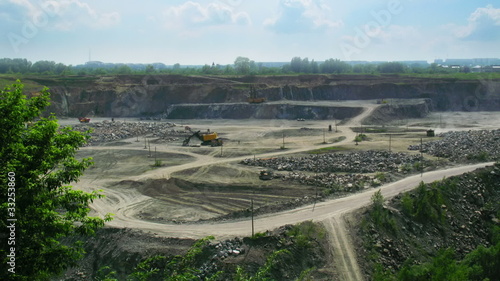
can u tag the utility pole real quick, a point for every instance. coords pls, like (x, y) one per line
(421, 158)
(251, 209)
(390, 142)
(145, 140)
(315, 196)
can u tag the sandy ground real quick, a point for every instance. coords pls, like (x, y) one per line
(205, 182)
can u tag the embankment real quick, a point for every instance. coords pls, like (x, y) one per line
(140, 95)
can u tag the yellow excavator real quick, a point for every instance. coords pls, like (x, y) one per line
(211, 139)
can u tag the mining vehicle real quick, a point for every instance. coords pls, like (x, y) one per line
(207, 139)
(266, 175)
(84, 119)
(253, 96)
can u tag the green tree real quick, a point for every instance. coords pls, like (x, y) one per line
(150, 68)
(36, 165)
(242, 65)
(391, 67)
(43, 66)
(314, 67)
(335, 66)
(123, 69)
(296, 64)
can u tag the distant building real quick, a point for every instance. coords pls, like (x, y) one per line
(476, 69)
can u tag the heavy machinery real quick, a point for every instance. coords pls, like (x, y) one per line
(211, 139)
(253, 96)
(266, 175)
(84, 119)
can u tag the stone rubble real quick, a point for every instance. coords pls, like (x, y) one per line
(108, 131)
(355, 162)
(337, 182)
(221, 251)
(462, 146)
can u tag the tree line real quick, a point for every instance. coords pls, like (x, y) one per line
(241, 66)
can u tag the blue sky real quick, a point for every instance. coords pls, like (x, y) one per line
(206, 31)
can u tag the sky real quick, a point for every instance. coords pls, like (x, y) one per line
(201, 32)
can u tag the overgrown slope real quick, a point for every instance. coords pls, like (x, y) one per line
(458, 214)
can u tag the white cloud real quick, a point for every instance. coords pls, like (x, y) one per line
(299, 16)
(483, 24)
(65, 14)
(192, 14)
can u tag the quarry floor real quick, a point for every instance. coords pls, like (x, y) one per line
(203, 183)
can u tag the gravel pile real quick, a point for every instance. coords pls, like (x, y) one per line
(355, 162)
(107, 131)
(220, 251)
(337, 182)
(480, 145)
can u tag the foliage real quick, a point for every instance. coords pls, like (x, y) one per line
(305, 233)
(360, 138)
(177, 268)
(263, 274)
(243, 66)
(183, 267)
(379, 215)
(480, 264)
(39, 159)
(391, 67)
(426, 205)
(482, 156)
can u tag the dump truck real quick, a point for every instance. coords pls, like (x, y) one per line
(211, 139)
(253, 96)
(266, 175)
(84, 119)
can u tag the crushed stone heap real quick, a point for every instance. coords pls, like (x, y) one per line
(107, 131)
(355, 162)
(481, 145)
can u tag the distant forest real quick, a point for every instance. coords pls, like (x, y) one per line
(241, 66)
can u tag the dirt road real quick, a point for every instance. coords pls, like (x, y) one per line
(322, 211)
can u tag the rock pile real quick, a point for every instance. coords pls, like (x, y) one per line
(107, 131)
(460, 146)
(356, 162)
(337, 182)
(221, 251)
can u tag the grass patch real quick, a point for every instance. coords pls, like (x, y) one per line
(329, 149)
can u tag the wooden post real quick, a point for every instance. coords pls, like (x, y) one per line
(390, 142)
(421, 158)
(251, 209)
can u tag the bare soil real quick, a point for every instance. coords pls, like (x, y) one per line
(203, 183)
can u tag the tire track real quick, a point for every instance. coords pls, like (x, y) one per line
(343, 255)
